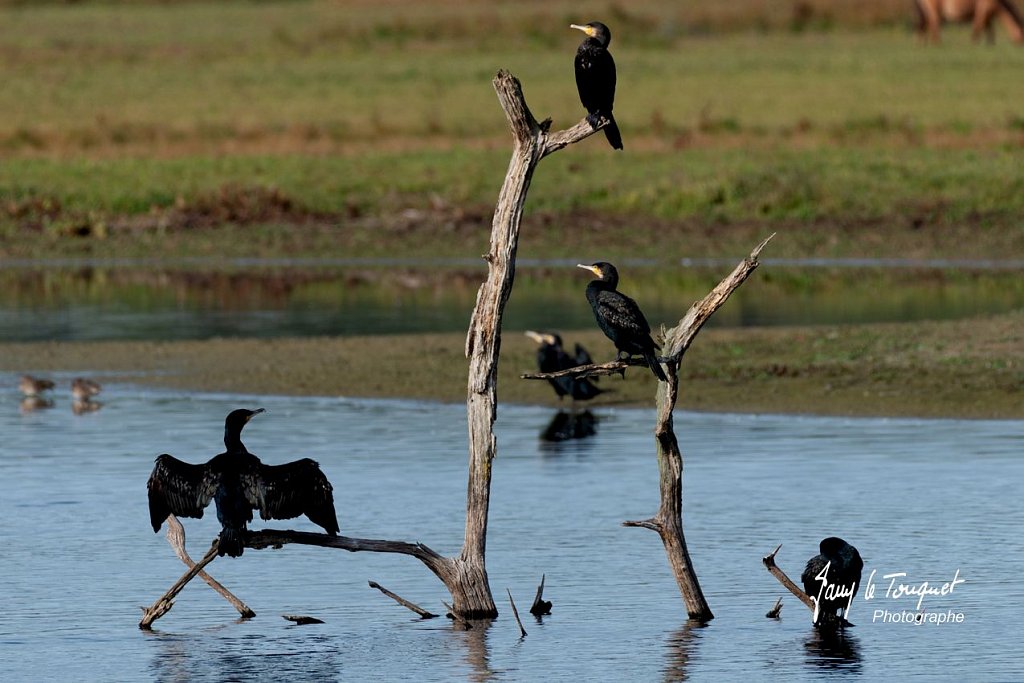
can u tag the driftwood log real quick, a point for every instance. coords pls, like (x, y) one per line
(668, 521)
(465, 576)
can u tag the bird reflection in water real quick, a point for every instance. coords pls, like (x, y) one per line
(566, 425)
(833, 649)
(30, 404)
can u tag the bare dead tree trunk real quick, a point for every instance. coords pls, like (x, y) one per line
(465, 576)
(668, 521)
(532, 142)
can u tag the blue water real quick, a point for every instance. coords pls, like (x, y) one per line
(923, 497)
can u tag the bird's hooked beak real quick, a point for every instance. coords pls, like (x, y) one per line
(589, 30)
(593, 269)
(254, 413)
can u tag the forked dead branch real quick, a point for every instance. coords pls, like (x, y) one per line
(668, 521)
(465, 576)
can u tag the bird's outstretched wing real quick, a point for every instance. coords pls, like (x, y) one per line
(293, 489)
(623, 312)
(179, 488)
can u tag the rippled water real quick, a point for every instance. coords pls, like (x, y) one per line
(923, 497)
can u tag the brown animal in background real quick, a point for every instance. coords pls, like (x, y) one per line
(981, 14)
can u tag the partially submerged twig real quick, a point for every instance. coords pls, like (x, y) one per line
(769, 563)
(163, 604)
(403, 602)
(515, 613)
(301, 620)
(455, 617)
(775, 611)
(176, 537)
(540, 606)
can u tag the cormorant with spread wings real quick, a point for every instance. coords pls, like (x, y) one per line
(239, 483)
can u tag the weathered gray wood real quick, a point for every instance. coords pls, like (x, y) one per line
(515, 613)
(776, 571)
(668, 521)
(176, 537)
(164, 604)
(403, 602)
(465, 576)
(531, 142)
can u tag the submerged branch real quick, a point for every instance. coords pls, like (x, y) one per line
(424, 614)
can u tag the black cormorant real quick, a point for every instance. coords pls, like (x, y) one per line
(620, 318)
(595, 78)
(837, 586)
(83, 389)
(551, 357)
(33, 386)
(239, 483)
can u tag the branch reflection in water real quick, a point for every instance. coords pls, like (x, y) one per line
(478, 654)
(680, 645)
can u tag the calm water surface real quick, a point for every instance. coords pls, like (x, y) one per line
(46, 304)
(923, 497)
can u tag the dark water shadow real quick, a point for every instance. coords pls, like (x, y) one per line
(566, 425)
(680, 646)
(833, 650)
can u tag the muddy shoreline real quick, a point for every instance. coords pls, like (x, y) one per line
(957, 369)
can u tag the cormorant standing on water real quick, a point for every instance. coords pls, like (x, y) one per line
(843, 574)
(620, 318)
(551, 357)
(595, 78)
(239, 483)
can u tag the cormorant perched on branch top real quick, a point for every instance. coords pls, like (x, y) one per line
(239, 483)
(843, 576)
(595, 78)
(551, 357)
(620, 318)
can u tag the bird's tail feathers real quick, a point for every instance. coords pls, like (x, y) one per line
(611, 131)
(232, 542)
(652, 362)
